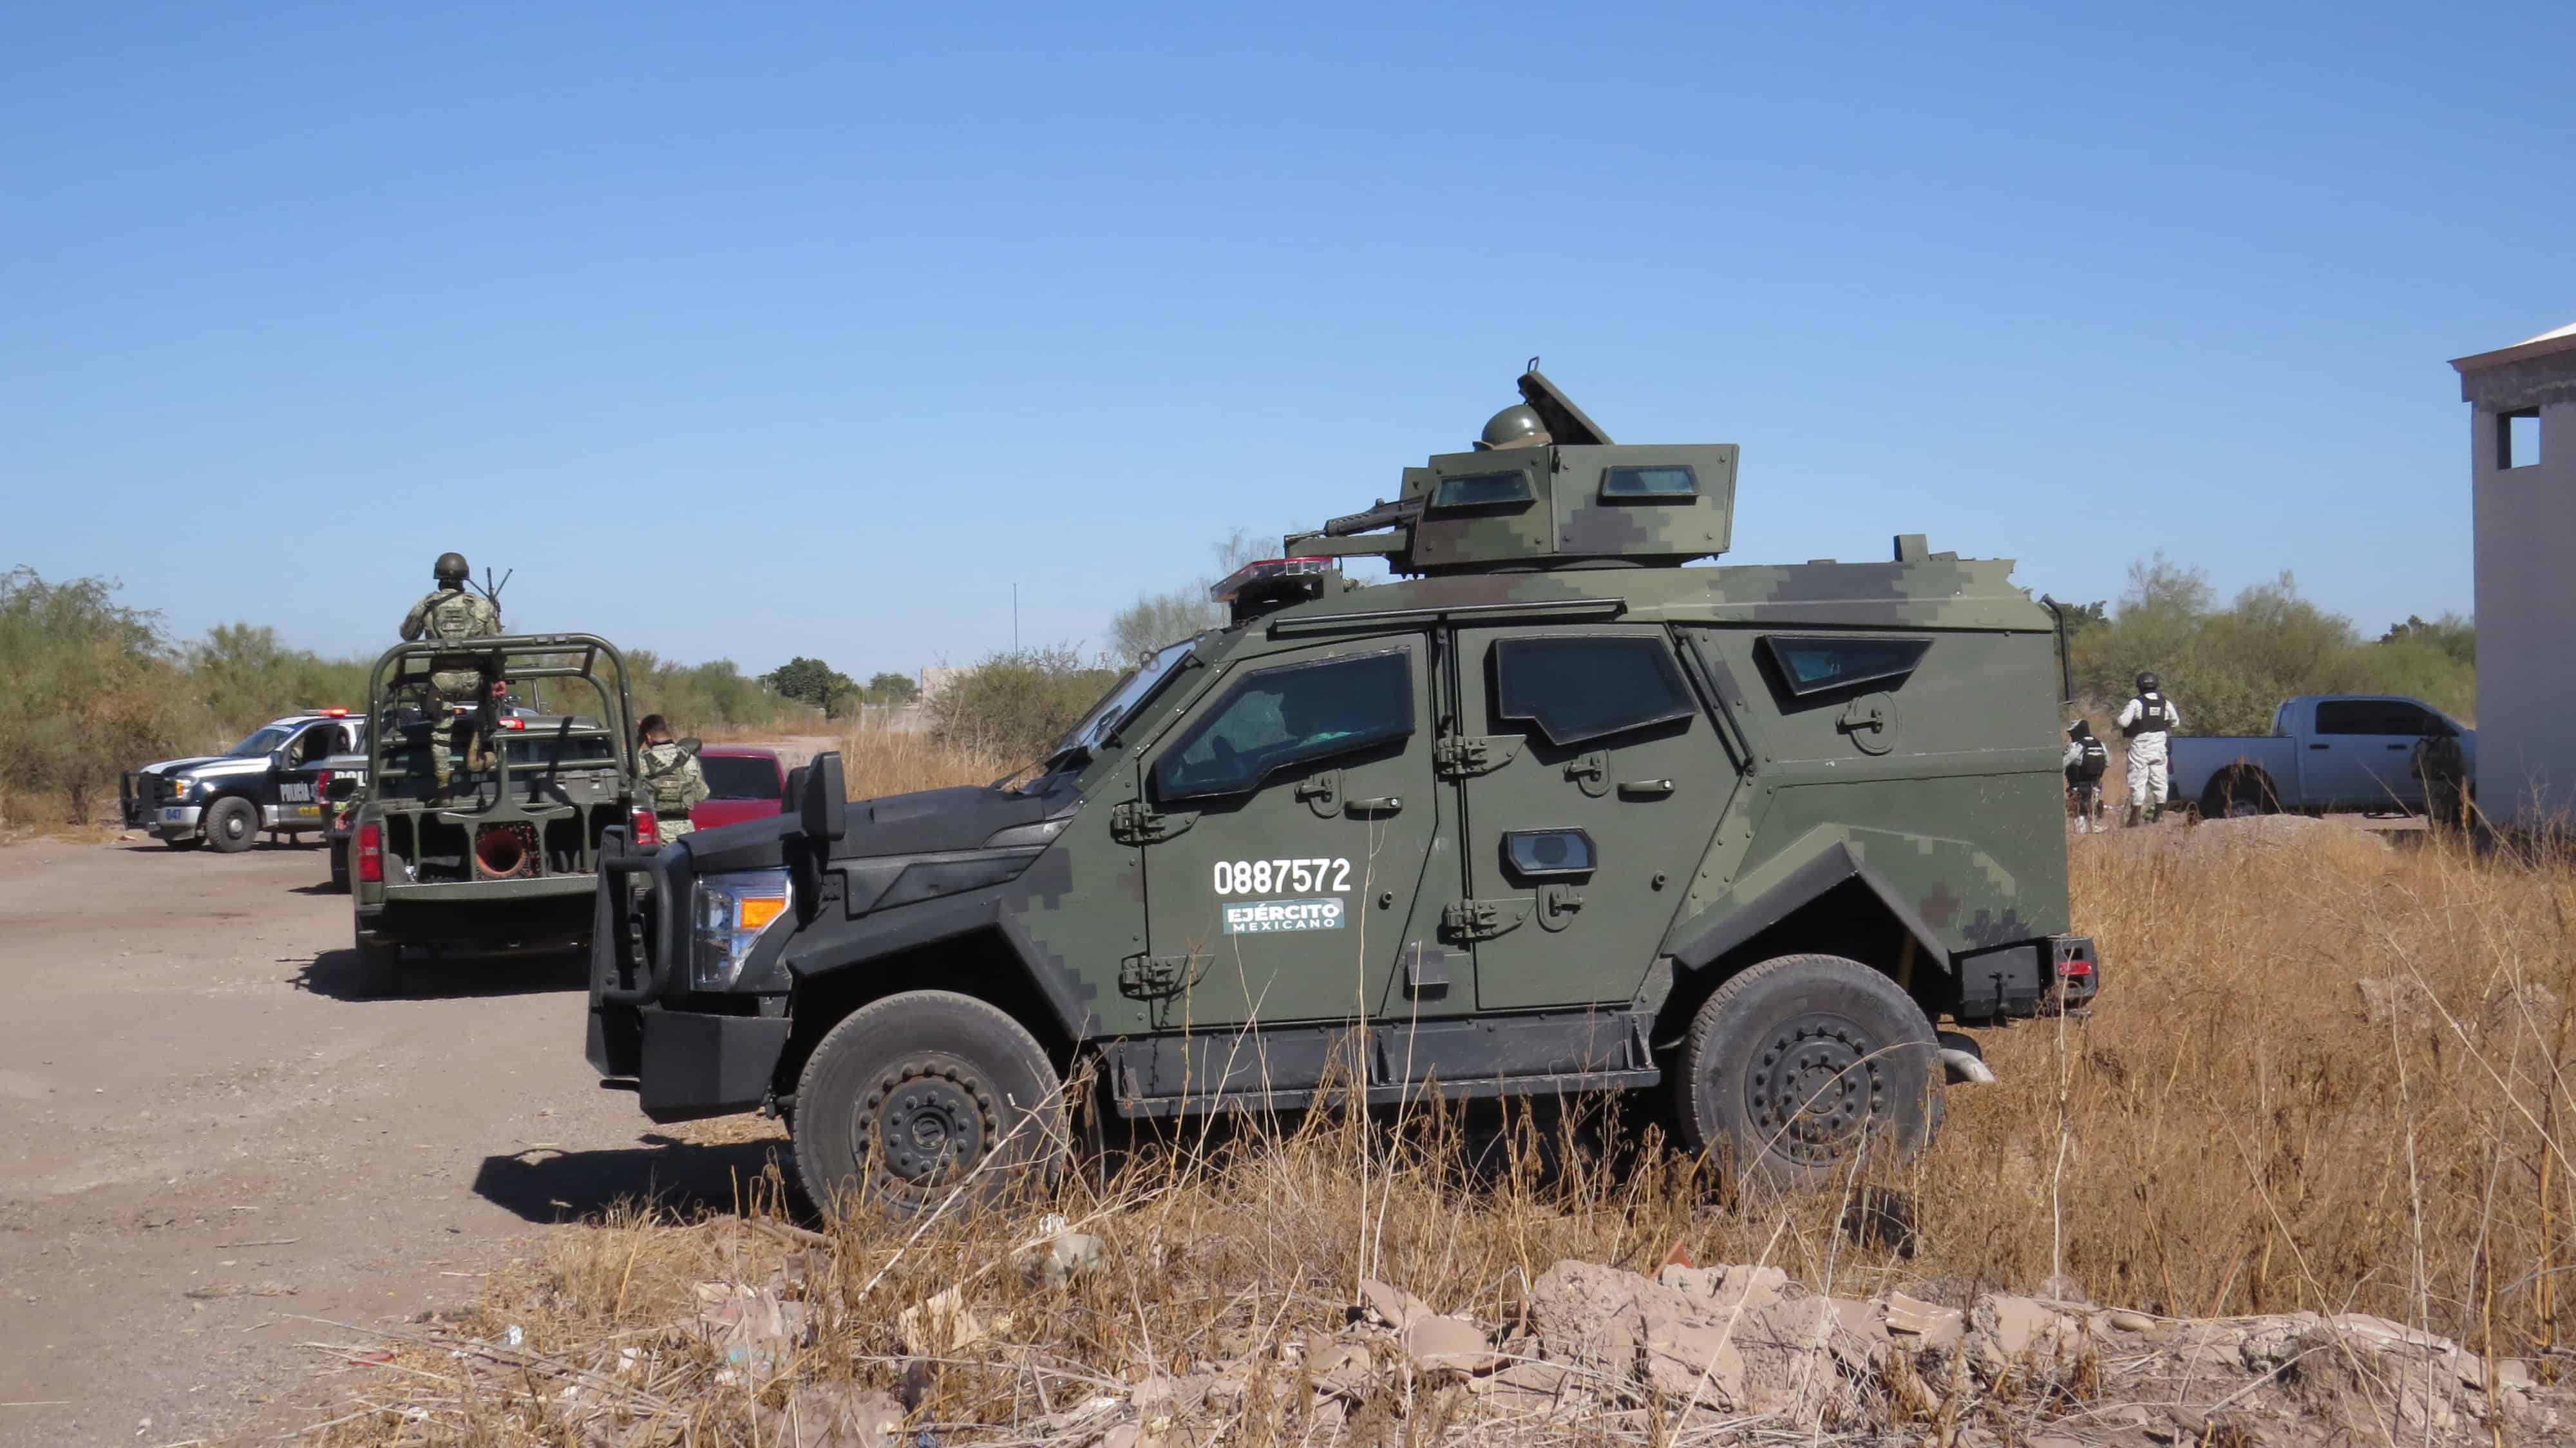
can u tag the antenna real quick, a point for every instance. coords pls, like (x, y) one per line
(492, 590)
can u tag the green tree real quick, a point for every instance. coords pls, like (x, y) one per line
(812, 681)
(1014, 705)
(93, 688)
(890, 688)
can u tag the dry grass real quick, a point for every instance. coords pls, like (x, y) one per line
(2228, 1133)
(881, 762)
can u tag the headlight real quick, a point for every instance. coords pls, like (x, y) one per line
(727, 913)
(179, 787)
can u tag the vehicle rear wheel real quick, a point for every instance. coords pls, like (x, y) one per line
(2238, 794)
(1794, 1065)
(921, 1095)
(232, 824)
(381, 973)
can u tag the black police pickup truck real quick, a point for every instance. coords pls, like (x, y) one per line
(263, 785)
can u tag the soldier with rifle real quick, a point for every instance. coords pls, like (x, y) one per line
(455, 613)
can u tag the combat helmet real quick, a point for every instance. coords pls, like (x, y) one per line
(451, 571)
(2148, 683)
(1518, 425)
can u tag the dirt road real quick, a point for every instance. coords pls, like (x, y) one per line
(209, 1138)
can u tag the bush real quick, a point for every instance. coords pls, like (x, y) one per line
(92, 687)
(2229, 668)
(1014, 705)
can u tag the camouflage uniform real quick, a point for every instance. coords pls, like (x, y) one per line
(672, 777)
(453, 614)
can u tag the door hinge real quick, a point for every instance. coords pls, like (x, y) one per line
(1482, 919)
(1463, 756)
(1155, 977)
(1134, 823)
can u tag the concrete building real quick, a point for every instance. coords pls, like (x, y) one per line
(2522, 488)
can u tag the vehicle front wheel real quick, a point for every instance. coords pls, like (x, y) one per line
(1794, 1065)
(921, 1095)
(232, 824)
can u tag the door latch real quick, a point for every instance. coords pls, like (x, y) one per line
(1591, 773)
(1322, 794)
(1464, 756)
(1471, 920)
(1556, 906)
(1870, 720)
(1135, 823)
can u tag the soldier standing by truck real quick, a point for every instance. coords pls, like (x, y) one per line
(670, 773)
(2086, 762)
(454, 612)
(2147, 721)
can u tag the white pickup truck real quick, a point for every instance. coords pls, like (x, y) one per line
(2325, 752)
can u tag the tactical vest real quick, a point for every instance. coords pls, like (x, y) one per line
(2153, 717)
(452, 618)
(2096, 760)
(668, 781)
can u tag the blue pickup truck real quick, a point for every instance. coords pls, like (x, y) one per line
(2325, 752)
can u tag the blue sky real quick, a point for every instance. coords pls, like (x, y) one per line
(753, 331)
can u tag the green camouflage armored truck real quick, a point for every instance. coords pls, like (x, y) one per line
(1549, 813)
(502, 859)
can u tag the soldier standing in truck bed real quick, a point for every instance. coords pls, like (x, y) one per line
(453, 613)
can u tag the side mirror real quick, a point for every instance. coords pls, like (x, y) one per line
(824, 811)
(277, 759)
(795, 787)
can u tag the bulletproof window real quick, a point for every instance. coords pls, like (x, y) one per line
(2376, 716)
(1273, 719)
(1481, 490)
(1540, 854)
(2518, 438)
(1576, 688)
(1648, 483)
(1821, 665)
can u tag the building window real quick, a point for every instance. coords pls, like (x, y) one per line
(2518, 438)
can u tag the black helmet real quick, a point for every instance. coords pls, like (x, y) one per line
(451, 569)
(2148, 683)
(2079, 729)
(1518, 425)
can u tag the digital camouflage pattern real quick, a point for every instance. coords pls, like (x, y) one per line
(1484, 891)
(453, 615)
(671, 774)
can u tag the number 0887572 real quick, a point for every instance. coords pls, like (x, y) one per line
(1291, 877)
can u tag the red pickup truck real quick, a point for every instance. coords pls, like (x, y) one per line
(742, 784)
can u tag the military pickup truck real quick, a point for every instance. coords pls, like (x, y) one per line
(262, 785)
(502, 860)
(2326, 752)
(1549, 814)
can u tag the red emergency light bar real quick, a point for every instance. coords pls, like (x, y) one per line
(1266, 574)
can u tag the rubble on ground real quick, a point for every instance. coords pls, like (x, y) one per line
(1719, 1354)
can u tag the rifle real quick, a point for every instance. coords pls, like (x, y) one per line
(1384, 515)
(489, 589)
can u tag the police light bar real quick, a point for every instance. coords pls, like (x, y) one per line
(1267, 574)
(335, 713)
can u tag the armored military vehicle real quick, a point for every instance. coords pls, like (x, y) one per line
(1550, 812)
(502, 859)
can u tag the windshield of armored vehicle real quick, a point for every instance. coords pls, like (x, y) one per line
(265, 741)
(1122, 698)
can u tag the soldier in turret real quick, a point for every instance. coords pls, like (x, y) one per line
(1518, 425)
(454, 613)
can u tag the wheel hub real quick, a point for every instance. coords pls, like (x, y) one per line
(1815, 1086)
(925, 1120)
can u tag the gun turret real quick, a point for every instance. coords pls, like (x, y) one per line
(1553, 492)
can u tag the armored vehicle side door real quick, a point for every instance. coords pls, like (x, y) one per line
(1286, 821)
(1600, 783)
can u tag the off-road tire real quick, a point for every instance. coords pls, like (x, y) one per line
(911, 1096)
(2238, 794)
(381, 972)
(1792, 1065)
(231, 824)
